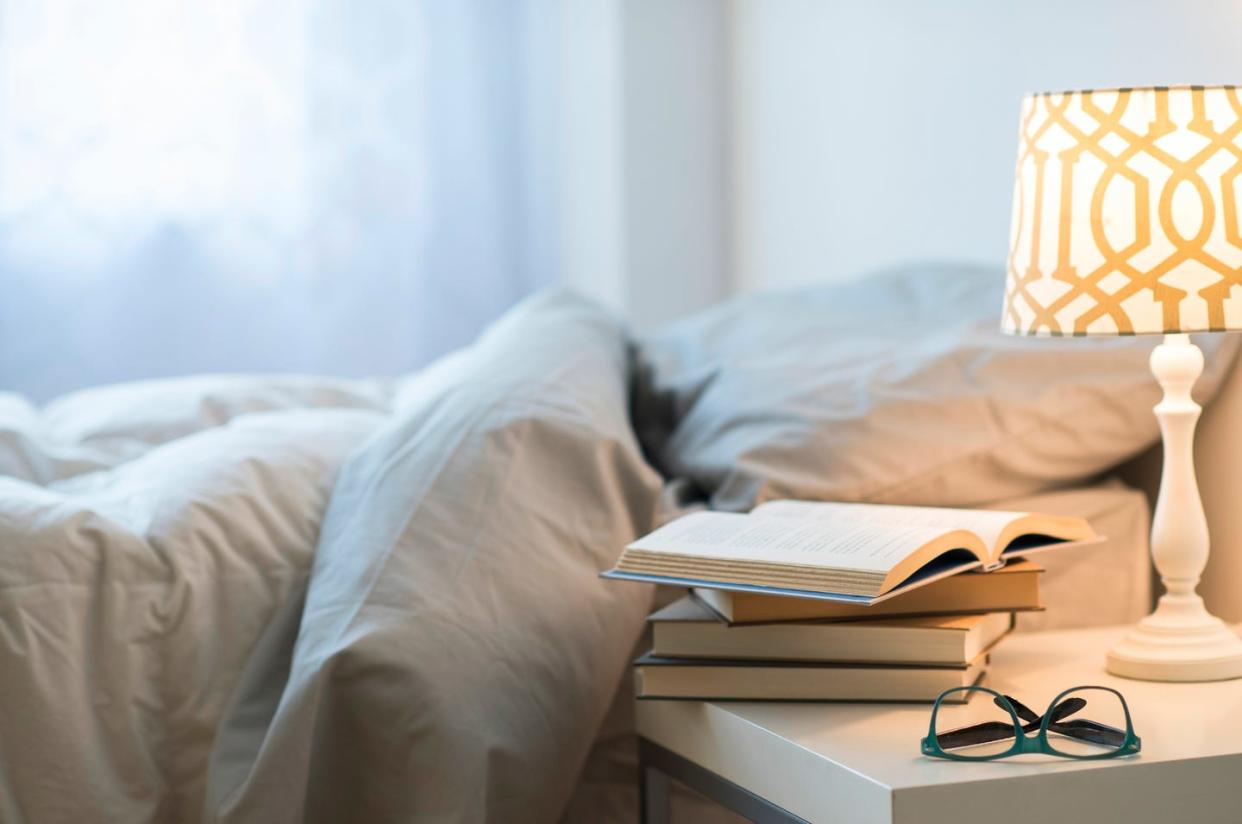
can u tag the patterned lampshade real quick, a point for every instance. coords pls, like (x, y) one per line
(1125, 214)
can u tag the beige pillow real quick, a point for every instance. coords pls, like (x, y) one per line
(898, 388)
(1070, 585)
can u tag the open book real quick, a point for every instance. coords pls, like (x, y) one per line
(862, 553)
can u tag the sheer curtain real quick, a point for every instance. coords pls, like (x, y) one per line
(323, 186)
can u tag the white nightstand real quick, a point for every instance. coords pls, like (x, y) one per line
(860, 763)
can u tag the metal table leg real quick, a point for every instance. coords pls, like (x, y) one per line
(657, 765)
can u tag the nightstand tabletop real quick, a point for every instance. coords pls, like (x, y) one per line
(861, 762)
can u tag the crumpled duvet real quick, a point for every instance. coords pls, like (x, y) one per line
(295, 599)
(141, 557)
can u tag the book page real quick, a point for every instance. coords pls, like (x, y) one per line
(838, 543)
(986, 523)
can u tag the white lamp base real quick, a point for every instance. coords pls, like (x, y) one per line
(1181, 640)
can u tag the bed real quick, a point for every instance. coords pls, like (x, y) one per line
(282, 598)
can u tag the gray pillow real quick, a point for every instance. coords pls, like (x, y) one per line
(457, 650)
(897, 388)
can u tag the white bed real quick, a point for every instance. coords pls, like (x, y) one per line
(276, 599)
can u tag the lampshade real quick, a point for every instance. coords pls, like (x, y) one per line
(1125, 213)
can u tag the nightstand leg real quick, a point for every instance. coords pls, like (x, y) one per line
(654, 798)
(658, 766)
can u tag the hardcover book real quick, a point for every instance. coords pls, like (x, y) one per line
(687, 629)
(742, 680)
(1012, 588)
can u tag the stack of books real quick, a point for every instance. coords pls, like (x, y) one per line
(803, 601)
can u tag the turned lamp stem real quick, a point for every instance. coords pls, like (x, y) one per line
(1181, 640)
(1179, 530)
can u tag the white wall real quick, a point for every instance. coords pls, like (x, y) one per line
(312, 186)
(646, 164)
(591, 182)
(868, 133)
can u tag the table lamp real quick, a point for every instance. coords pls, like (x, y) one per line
(1126, 222)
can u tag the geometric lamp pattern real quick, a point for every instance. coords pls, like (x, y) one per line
(1125, 213)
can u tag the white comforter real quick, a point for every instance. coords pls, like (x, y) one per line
(291, 599)
(147, 536)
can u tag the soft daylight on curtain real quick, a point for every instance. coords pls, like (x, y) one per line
(308, 186)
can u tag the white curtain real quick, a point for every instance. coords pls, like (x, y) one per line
(316, 185)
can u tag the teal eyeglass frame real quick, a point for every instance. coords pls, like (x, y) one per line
(1125, 742)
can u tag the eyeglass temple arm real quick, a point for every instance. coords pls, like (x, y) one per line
(1092, 731)
(1082, 728)
(975, 734)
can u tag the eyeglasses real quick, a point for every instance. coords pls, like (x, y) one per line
(1002, 734)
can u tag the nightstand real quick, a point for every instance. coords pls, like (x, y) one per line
(860, 763)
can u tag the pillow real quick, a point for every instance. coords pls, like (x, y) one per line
(1070, 585)
(897, 388)
(457, 650)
